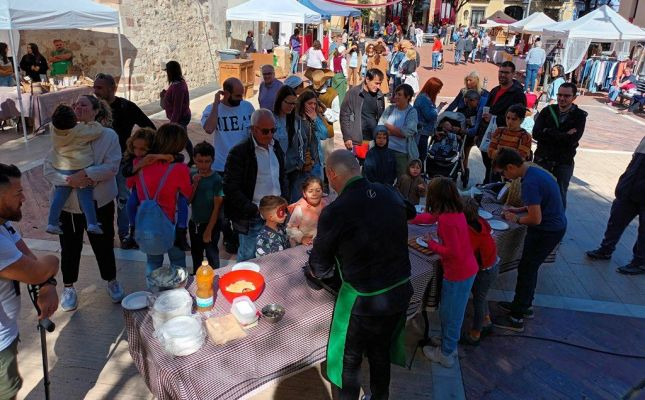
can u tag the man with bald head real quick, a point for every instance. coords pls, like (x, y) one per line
(254, 169)
(362, 237)
(228, 119)
(269, 87)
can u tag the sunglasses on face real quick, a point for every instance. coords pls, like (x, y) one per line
(267, 131)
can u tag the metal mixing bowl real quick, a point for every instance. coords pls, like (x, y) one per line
(273, 312)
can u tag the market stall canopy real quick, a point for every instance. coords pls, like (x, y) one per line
(533, 24)
(274, 11)
(500, 18)
(55, 14)
(328, 10)
(603, 24)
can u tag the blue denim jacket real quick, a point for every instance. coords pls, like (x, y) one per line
(427, 112)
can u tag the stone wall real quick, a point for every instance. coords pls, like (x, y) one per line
(154, 31)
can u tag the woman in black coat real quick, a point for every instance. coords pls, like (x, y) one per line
(33, 63)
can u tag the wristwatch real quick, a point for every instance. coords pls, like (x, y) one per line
(51, 281)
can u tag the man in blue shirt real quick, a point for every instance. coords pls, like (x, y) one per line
(546, 223)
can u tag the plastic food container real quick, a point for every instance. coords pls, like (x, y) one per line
(171, 304)
(244, 310)
(181, 336)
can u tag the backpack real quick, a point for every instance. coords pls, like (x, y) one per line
(155, 232)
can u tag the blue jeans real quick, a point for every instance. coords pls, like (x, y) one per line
(435, 59)
(613, 93)
(7, 81)
(538, 244)
(177, 259)
(483, 282)
(531, 76)
(458, 56)
(295, 57)
(61, 194)
(122, 217)
(454, 298)
(248, 241)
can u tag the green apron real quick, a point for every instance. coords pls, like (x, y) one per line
(340, 322)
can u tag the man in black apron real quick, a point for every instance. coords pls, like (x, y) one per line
(362, 237)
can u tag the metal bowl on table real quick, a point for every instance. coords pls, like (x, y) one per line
(273, 312)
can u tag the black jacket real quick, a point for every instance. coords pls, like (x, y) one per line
(631, 184)
(350, 114)
(554, 145)
(240, 173)
(514, 95)
(380, 165)
(29, 60)
(366, 231)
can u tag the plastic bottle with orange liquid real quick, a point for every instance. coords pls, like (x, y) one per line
(204, 294)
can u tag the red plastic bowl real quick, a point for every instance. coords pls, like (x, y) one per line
(243, 274)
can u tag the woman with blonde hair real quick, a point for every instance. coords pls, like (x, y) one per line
(379, 62)
(408, 68)
(471, 82)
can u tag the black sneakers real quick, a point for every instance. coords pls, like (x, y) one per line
(509, 323)
(631, 269)
(508, 306)
(598, 254)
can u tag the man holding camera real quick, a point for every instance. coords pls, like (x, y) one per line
(18, 264)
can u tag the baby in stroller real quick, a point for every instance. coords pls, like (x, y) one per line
(445, 150)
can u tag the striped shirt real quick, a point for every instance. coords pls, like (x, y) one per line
(516, 140)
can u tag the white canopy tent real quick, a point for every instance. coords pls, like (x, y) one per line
(601, 25)
(533, 24)
(53, 14)
(274, 11)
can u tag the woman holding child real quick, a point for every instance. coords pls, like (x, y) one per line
(106, 154)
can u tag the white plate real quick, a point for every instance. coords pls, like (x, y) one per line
(246, 265)
(484, 214)
(422, 242)
(420, 208)
(498, 225)
(135, 301)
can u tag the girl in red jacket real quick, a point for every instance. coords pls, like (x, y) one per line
(458, 261)
(485, 251)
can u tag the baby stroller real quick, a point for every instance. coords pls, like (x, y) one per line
(445, 155)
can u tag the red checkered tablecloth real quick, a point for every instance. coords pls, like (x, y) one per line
(270, 351)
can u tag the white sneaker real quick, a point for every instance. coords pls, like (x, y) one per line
(69, 300)
(115, 291)
(54, 230)
(95, 229)
(435, 354)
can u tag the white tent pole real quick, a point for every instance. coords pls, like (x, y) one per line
(122, 80)
(18, 90)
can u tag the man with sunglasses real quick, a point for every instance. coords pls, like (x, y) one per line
(558, 129)
(269, 87)
(254, 169)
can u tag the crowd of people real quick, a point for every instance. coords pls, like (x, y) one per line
(272, 180)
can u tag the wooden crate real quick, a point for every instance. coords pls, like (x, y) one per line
(248, 90)
(240, 69)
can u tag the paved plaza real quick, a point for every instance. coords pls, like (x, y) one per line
(88, 352)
